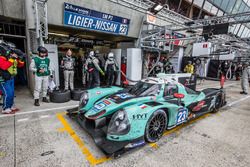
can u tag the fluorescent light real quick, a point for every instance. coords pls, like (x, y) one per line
(158, 7)
(58, 34)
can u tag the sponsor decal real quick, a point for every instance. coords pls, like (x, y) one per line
(98, 92)
(100, 105)
(142, 106)
(182, 115)
(107, 102)
(199, 106)
(123, 95)
(142, 116)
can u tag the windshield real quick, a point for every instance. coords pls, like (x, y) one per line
(170, 90)
(145, 89)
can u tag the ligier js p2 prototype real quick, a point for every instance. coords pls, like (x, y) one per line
(120, 119)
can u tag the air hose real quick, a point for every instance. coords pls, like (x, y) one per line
(157, 61)
(229, 72)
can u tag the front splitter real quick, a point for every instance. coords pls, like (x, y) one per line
(109, 147)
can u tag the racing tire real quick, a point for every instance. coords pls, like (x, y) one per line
(76, 94)
(218, 103)
(60, 96)
(156, 126)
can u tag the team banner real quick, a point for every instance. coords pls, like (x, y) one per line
(80, 17)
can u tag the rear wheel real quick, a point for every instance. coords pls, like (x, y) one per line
(218, 103)
(155, 126)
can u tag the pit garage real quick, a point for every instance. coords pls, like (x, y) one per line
(179, 98)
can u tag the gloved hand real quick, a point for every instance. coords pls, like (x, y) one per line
(102, 73)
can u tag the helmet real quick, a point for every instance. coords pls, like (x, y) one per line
(91, 54)
(42, 49)
(97, 52)
(111, 56)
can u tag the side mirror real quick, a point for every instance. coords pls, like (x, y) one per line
(179, 95)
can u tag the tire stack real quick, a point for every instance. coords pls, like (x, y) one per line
(63, 96)
(76, 94)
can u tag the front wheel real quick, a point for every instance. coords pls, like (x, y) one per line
(156, 126)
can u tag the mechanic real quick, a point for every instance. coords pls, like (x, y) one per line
(40, 66)
(9, 62)
(93, 69)
(110, 68)
(168, 67)
(68, 64)
(245, 78)
(84, 69)
(159, 68)
(189, 68)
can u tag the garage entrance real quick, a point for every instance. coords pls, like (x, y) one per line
(81, 42)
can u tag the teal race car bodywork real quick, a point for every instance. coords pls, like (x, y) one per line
(119, 118)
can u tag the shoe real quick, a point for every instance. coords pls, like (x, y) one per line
(36, 102)
(45, 100)
(8, 111)
(15, 109)
(245, 93)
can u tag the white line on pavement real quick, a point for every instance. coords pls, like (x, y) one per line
(39, 111)
(22, 120)
(237, 101)
(44, 116)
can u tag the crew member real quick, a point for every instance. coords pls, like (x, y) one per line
(189, 68)
(8, 70)
(40, 65)
(68, 64)
(168, 67)
(110, 69)
(93, 69)
(245, 78)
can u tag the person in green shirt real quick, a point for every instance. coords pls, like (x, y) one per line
(40, 66)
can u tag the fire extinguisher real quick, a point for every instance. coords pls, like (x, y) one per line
(222, 81)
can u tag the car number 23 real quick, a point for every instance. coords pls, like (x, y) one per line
(182, 115)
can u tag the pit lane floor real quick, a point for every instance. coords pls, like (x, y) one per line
(46, 137)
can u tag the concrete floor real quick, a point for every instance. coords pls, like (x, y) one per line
(45, 137)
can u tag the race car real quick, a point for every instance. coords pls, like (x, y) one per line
(119, 119)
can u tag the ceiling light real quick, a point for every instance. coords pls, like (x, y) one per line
(158, 7)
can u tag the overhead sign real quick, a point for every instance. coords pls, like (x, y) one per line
(80, 17)
(176, 36)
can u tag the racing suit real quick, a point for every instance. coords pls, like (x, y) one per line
(110, 69)
(167, 67)
(93, 69)
(8, 69)
(41, 79)
(245, 79)
(68, 64)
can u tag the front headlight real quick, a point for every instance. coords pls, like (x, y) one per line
(119, 124)
(83, 100)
